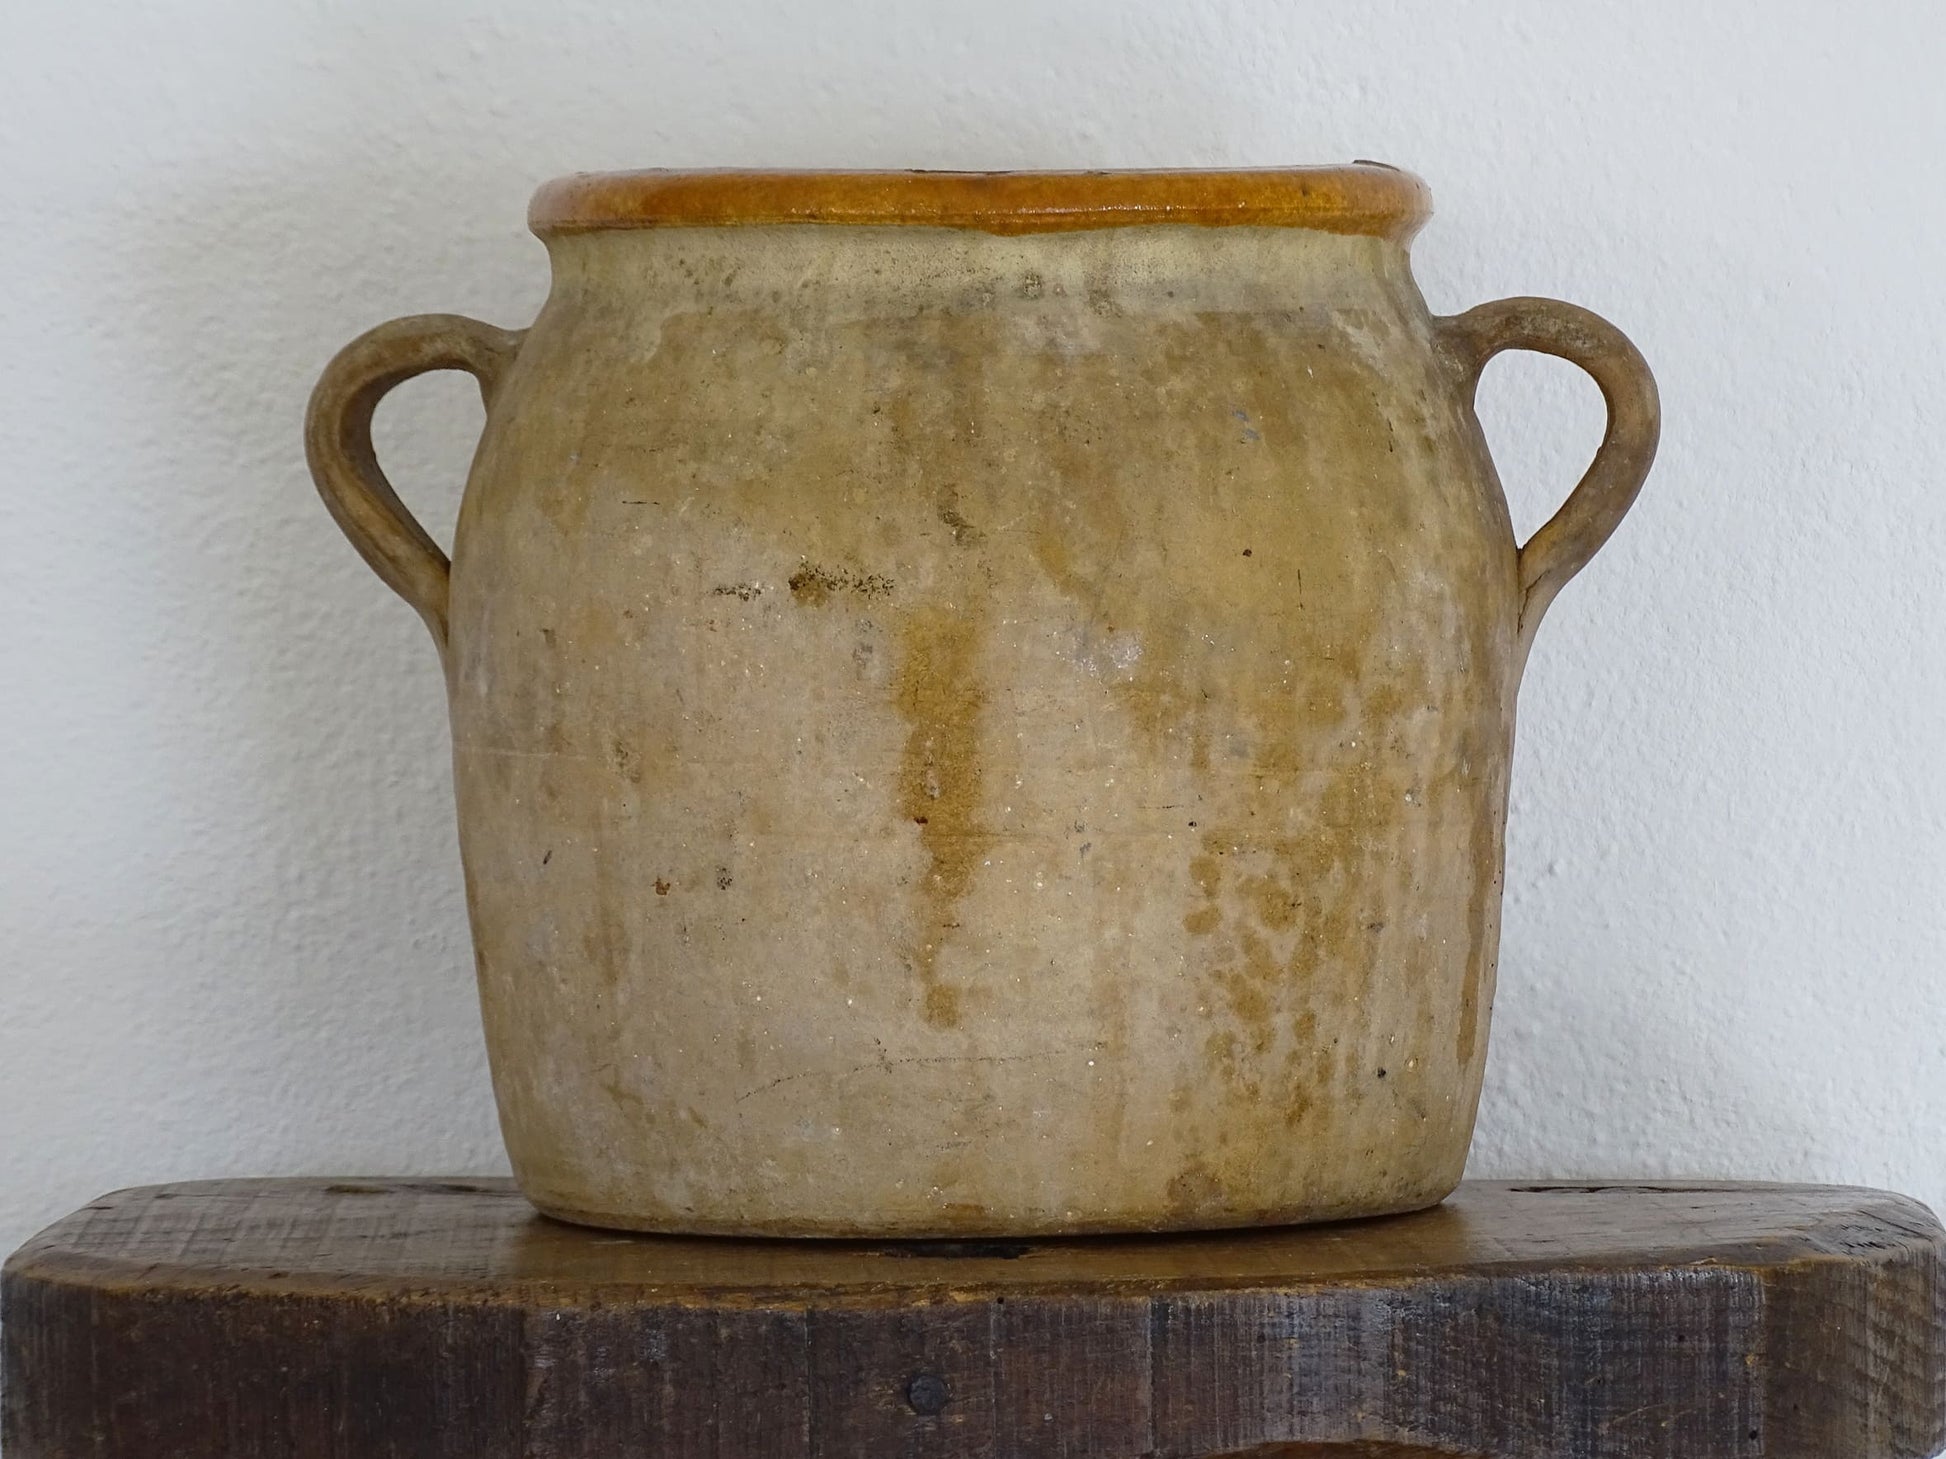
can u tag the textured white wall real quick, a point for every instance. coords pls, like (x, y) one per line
(233, 932)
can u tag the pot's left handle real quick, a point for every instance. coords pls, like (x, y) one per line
(338, 443)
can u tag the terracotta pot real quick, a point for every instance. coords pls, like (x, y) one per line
(982, 702)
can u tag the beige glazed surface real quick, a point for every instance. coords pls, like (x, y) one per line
(982, 703)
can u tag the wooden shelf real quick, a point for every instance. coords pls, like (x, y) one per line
(360, 1318)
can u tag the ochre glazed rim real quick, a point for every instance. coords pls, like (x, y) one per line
(1366, 198)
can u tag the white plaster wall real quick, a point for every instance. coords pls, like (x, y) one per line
(229, 897)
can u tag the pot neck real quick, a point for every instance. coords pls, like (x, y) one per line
(1231, 269)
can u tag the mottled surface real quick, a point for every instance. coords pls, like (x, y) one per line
(958, 733)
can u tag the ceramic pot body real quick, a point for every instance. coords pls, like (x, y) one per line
(963, 730)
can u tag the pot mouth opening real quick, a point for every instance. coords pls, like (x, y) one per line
(1365, 198)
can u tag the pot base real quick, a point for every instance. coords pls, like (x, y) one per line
(962, 1228)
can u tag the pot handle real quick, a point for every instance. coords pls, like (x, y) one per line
(338, 443)
(1602, 497)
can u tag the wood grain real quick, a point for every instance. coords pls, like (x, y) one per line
(435, 1318)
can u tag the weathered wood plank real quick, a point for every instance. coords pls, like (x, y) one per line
(353, 1319)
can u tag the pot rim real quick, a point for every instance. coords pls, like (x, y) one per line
(1372, 199)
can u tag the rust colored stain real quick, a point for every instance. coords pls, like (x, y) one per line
(965, 534)
(1194, 1187)
(814, 585)
(940, 694)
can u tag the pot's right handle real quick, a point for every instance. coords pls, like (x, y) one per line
(338, 443)
(1562, 547)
